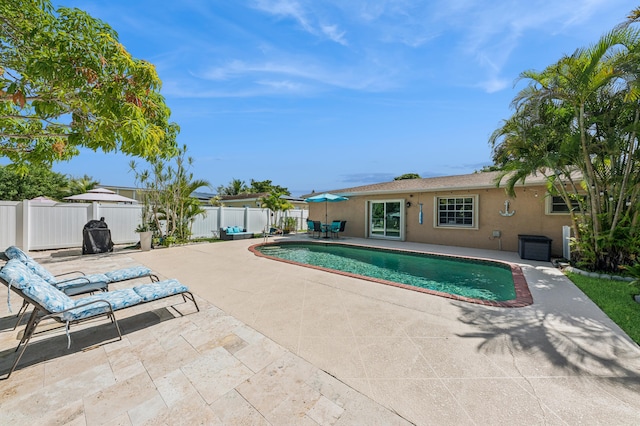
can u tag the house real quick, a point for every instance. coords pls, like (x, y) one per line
(464, 210)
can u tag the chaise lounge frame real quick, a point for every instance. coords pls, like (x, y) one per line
(88, 308)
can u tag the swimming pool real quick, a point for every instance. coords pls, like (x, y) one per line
(480, 281)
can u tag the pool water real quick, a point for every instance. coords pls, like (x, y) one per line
(470, 278)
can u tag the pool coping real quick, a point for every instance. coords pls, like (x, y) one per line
(523, 294)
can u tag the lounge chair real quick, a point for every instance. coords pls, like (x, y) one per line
(81, 284)
(51, 303)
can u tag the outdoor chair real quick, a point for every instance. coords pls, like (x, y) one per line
(335, 228)
(310, 227)
(317, 227)
(341, 226)
(81, 284)
(51, 303)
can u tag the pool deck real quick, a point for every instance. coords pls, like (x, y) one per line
(280, 344)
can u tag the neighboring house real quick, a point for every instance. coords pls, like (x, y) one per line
(136, 193)
(255, 200)
(465, 210)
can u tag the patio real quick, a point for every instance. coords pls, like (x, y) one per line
(282, 344)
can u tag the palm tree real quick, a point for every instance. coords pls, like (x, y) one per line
(235, 187)
(82, 185)
(589, 84)
(275, 203)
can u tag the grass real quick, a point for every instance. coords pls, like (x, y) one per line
(615, 298)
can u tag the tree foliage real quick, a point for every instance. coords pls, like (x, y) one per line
(235, 187)
(66, 82)
(169, 208)
(407, 176)
(576, 123)
(267, 186)
(39, 181)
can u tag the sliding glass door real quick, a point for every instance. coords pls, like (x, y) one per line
(385, 219)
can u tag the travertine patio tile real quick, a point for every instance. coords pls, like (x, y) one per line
(74, 363)
(113, 401)
(147, 411)
(260, 354)
(57, 394)
(125, 364)
(277, 383)
(175, 387)
(325, 412)
(215, 373)
(233, 409)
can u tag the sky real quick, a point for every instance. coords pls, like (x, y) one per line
(320, 95)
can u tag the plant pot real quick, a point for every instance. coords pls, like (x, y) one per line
(145, 240)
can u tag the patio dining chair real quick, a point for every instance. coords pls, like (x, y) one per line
(335, 228)
(340, 228)
(317, 227)
(51, 303)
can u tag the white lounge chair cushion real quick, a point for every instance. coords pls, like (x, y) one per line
(160, 289)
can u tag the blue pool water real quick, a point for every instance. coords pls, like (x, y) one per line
(476, 279)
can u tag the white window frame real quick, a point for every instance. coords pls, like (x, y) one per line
(549, 206)
(474, 212)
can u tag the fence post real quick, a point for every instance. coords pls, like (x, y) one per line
(22, 215)
(566, 247)
(95, 211)
(246, 218)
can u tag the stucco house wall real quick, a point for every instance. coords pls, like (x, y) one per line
(530, 218)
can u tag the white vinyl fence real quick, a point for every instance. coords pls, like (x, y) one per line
(34, 225)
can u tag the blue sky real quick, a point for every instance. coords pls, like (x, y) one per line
(320, 95)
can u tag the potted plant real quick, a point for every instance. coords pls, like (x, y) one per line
(145, 236)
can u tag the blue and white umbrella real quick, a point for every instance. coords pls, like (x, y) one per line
(325, 198)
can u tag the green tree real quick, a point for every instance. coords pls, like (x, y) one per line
(166, 195)
(39, 181)
(82, 184)
(581, 114)
(407, 176)
(235, 187)
(267, 186)
(66, 82)
(275, 203)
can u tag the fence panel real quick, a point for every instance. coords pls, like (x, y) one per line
(204, 226)
(257, 219)
(9, 223)
(122, 219)
(56, 226)
(232, 216)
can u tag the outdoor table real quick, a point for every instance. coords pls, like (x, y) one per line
(326, 228)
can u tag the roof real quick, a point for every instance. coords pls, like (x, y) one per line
(256, 196)
(479, 180)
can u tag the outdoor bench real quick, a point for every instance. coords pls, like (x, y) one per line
(234, 233)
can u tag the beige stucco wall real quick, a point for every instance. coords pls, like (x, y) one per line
(530, 218)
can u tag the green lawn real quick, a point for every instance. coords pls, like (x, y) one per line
(615, 298)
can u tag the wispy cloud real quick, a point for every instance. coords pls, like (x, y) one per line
(303, 16)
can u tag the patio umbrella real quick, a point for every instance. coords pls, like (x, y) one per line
(101, 194)
(325, 198)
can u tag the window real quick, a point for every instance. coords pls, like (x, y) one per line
(557, 205)
(456, 212)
